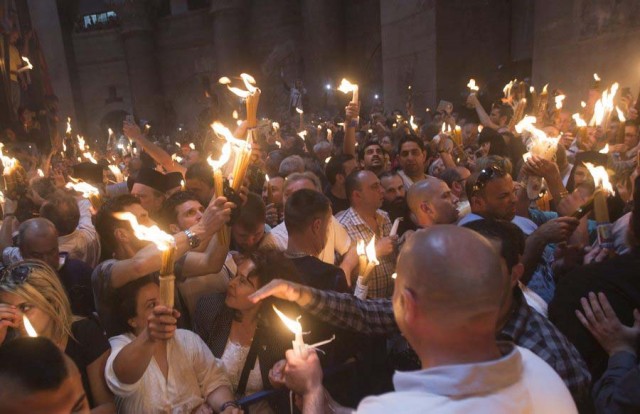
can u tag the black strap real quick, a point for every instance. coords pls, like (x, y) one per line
(249, 363)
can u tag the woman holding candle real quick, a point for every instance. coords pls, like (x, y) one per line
(155, 367)
(32, 288)
(246, 336)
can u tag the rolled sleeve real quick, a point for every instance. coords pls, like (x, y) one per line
(115, 385)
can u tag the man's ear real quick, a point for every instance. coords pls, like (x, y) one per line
(132, 323)
(409, 306)
(456, 186)
(316, 226)
(340, 179)
(174, 229)
(516, 273)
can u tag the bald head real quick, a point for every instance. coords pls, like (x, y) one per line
(432, 202)
(448, 285)
(38, 239)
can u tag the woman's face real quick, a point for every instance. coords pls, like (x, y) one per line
(148, 297)
(40, 321)
(241, 286)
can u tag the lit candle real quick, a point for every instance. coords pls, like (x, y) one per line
(346, 87)
(251, 96)
(372, 260)
(299, 347)
(166, 245)
(394, 228)
(28, 327)
(473, 88)
(301, 112)
(218, 183)
(88, 191)
(600, 209)
(269, 189)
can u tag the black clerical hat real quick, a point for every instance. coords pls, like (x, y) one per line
(173, 179)
(88, 172)
(150, 178)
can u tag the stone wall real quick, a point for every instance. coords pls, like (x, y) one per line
(575, 38)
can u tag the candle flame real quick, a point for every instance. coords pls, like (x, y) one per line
(176, 158)
(604, 150)
(472, 85)
(40, 173)
(110, 131)
(162, 240)
(371, 251)
(507, 89)
(235, 114)
(346, 86)
(88, 156)
(293, 325)
(224, 132)
(302, 134)
(68, 125)
(275, 125)
(544, 90)
(9, 164)
(532, 89)
(394, 275)
(596, 77)
(540, 144)
(81, 142)
(224, 80)
(223, 159)
(29, 65)
(621, 116)
(116, 172)
(249, 83)
(414, 126)
(28, 327)
(583, 104)
(360, 248)
(600, 177)
(579, 121)
(604, 106)
(299, 110)
(559, 101)
(87, 190)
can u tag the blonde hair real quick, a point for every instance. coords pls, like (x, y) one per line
(43, 289)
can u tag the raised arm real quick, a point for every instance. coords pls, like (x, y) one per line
(207, 262)
(159, 155)
(350, 124)
(148, 260)
(482, 114)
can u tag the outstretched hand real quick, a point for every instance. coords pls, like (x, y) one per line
(280, 289)
(603, 323)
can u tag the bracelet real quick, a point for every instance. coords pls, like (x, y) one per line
(228, 404)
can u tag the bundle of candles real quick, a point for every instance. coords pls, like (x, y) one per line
(166, 244)
(599, 200)
(218, 183)
(15, 177)
(367, 260)
(242, 154)
(346, 87)
(604, 108)
(251, 96)
(539, 144)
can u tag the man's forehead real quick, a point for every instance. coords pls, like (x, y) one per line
(189, 204)
(391, 181)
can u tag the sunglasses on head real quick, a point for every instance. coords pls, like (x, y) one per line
(16, 275)
(487, 175)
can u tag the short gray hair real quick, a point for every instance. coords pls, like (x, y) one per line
(307, 175)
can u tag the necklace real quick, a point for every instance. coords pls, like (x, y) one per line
(290, 254)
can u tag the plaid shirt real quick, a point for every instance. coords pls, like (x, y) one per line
(380, 281)
(526, 328)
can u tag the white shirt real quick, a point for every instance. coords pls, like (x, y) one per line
(519, 382)
(338, 240)
(83, 244)
(408, 182)
(193, 374)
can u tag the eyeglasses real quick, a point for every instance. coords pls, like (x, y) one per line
(487, 175)
(15, 275)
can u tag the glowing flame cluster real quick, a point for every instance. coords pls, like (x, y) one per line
(87, 190)
(600, 177)
(28, 64)
(81, 143)
(580, 123)
(249, 83)
(540, 145)
(89, 156)
(604, 106)
(346, 86)
(224, 132)
(223, 159)
(472, 85)
(162, 240)
(68, 125)
(559, 99)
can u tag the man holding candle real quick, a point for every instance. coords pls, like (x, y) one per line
(364, 220)
(130, 258)
(457, 347)
(199, 180)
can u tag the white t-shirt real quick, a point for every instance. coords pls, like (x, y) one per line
(338, 241)
(519, 382)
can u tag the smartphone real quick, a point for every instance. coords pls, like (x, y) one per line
(445, 106)
(583, 210)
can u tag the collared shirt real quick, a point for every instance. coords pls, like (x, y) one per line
(525, 328)
(517, 382)
(380, 281)
(338, 240)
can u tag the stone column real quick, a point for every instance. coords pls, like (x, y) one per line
(230, 23)
(323, 47)
(142, 66)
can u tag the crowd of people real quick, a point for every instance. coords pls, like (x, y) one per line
(496, 286)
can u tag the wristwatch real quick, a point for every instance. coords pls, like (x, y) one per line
(194, 241)
(229, 404)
